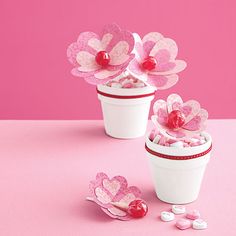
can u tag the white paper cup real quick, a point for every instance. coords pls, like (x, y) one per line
(177, 172)
(125, 111)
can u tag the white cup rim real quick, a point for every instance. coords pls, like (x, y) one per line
(181, 152)
(126, 92)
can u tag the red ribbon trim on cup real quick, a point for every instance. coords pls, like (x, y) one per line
(125, 96)
(161, 155)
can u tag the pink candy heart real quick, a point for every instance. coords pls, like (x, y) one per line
(193, 215)
(183, 224)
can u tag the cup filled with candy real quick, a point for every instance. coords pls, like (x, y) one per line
(178, 149)
(127, 71)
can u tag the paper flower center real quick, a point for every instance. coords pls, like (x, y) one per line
(176, 119)
(137, 208)
(102, 58)
(149, 63)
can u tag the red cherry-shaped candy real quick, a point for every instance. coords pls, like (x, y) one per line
(102, 58)
(149, 63)
(137, 208)
(176, 119)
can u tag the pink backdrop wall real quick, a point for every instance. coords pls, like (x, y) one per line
(34, 34)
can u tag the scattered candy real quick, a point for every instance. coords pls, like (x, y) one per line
(193, 215)
(159, 138)
(137, 208)
(177, 209)
(167, 216)
(183, 224)
(199, 224)
(126, 82)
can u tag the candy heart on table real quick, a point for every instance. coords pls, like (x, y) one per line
(199, 224)
(183, 224)
(167, 216)
(115, 198)
(193, 215)
(178, 209)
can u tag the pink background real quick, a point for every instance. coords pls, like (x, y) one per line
(35, 75)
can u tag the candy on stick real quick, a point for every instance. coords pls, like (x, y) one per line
(116, 199)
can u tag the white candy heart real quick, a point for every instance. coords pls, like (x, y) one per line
(199, 224)
(194, 140)
(177, 209)
(167, 216)
(178, 144)
(156, 139)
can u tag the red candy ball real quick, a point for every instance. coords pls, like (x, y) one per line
(137, 208)
(102, 58)
(149, 63)
(176, 119)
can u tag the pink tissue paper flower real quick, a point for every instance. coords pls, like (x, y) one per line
(155, 60)
(99, 58)
(176, 119)
(105, 192)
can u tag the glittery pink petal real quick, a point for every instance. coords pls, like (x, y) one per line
(159, 104)
(197, 122)
(173, 100)
(93, 80)
(104, 74)
(125, 196)
(95, 44)
(87, 62)
(160, 109)
(147, 47)
(169, 67)
(106, 39)
(117, 36)
(103, 189)
(119, 53)
(76, 72)
(81, 45)
(190, 109)
(102, 195)
(162, 116)
(135, 67)
(121, 67)
(140, 52)
(152, 36)
(166, 44)
(162, 56)
(164, 68)
(162, 82)
(116, 213)
(72, 51)
(178, 66)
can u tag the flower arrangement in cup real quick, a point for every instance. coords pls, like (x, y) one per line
(120, 59)
(178, 123)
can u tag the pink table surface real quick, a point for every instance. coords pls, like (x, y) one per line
(45, 168)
